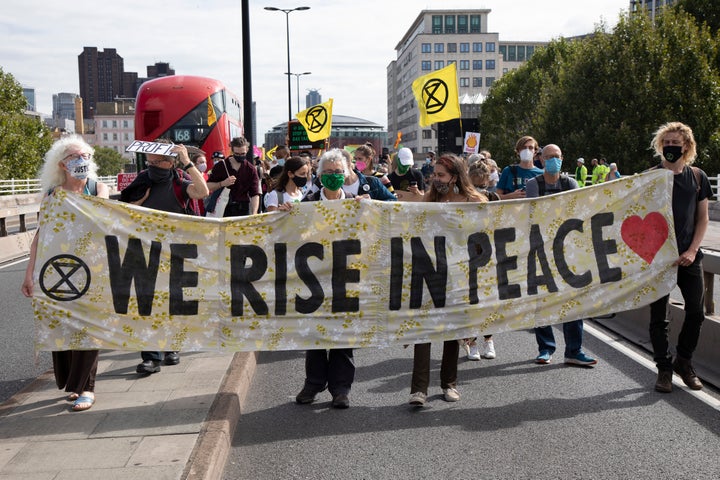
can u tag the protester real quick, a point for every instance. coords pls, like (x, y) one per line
(513, 177)
(450, 183)
(674, 143)
(333, 369)
(292, 184)
(613, 173)
(69, 166)
(364, 157)
(405, 177)
(548, 183)
(163, 188)
(239, 174)
(360, 185)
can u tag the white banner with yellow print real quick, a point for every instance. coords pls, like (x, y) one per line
(347, 273)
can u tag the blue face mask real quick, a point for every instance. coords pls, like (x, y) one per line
(552, 165)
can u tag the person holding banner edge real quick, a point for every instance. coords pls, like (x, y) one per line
(675, 144)
(69, 166)
(450, 183)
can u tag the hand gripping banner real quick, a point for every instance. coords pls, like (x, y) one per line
(347, 273)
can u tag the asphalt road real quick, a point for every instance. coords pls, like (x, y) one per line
(19, 364)
(515, 420)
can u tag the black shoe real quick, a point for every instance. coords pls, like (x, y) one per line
(341, 401)
(171, 358)
(664, 381)
(148, 367)
(306, 396)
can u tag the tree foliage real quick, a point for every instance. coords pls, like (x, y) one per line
(605, 95)
(23, 139)
(109, 161)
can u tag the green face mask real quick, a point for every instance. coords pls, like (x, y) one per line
(403, 169)
(332, 181)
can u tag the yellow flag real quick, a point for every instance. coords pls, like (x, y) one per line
(317, 120)
(269, 153)
(437, 96)
(212, 118)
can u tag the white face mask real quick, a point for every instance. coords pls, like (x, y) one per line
(202, 167)
(78, 168)
(526, 155)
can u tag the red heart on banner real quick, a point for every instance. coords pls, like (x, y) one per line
(645, 236)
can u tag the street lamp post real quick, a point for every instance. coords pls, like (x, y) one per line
(297, 76)
(287, 11)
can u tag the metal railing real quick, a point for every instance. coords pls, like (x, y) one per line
(32, 185)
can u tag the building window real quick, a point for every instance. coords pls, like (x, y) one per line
(437, 24)
(477, 82)
(464, 64)
(114, 124)
(115, 137)
(489, 46)
(464, 82)
(426, 48)
(489, 81)
(529, 50)
(462, 23)
(449, 23)
(521, 53)
(125, 124)
(474, 23)
(439, 64)
(489, 64)
(512, 55)
(126, 137)
(452, 47)
(105, 136)
(426, 65)
(104, 124)
(477, 47)
(427, 134)
(503, 52)
(477, 64)
(439, 48)
(464, 48)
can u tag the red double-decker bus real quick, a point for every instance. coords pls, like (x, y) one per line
(176, 108)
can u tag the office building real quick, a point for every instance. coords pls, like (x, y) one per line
(101, 78)
(115, 125)
(652, 7)
(312, 98)
(434, 40)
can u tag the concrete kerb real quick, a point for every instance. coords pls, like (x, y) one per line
(208, 458)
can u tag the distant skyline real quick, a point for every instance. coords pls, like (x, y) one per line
(346, 45)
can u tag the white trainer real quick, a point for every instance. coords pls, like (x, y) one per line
(488, 349)
(451, 394)
(417, 399)
(465, 345)
(474, 352)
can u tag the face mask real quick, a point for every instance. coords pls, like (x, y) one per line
(239, 158)
(281, 161)
(440, 187)
(526, 155)
(202, 167)
(360, 165)
(552, 165)
(78, 168)
(332, 181)
(158, 174)
(672, 153)
(494, 177)
(299, 181)
(403, 169)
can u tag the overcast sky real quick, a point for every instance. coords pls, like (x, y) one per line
(347, 45)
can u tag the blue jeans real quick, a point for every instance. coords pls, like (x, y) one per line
(692, 286)
(573, 333)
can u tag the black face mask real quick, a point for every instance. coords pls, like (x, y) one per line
(158, 174)
(672, 153)
(300, 181)
(240, 158)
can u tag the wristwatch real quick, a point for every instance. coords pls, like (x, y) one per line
(188, 166)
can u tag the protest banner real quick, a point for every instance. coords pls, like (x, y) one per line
(347, 273)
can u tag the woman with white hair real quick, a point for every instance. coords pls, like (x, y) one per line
(69, 166)
(613, 174)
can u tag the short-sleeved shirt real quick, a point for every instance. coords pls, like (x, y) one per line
(246, 179)
(514, 177)
(402, 182)
(272, 199)
(685, 197)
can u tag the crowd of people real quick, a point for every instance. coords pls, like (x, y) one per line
(240, 185)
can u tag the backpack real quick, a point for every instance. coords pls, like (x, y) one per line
(542, 187)
(182, 199)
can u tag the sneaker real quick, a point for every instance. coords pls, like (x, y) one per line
(664, 381)
(543, 358)
(580, 359)
(465, 345)
(148, 366)
(417, 399)
(488, 349)
(306, 395)
(451, 394)
(473, 352)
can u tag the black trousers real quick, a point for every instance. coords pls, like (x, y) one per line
(332, 369)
